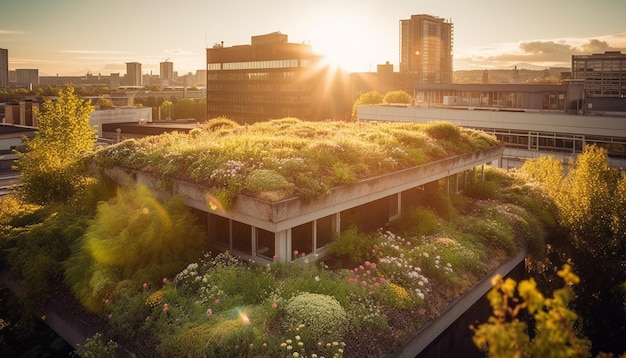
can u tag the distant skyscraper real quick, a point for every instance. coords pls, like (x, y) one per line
(4, 68)
(426, 49)
(167, 73)
(133, 74)
(27, 77)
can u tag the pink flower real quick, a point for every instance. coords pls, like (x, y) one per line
(217, 301)
(295, 252)
(376, 284)
(209, 312)
(197, 302)
(107, 301)
(164, 280)
(274, 305)
(363, 283)
(110, 316)
(166, 308)
(274, 257)
(145, 285)
(303, 254)
(368, 272)
(361, 267)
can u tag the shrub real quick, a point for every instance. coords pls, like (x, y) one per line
(95, 347)
(318, 318)
(354, 246)
(443, 131)
(133, 237)
(417, 222)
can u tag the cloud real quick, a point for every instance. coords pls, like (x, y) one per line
(93, 52)
(549, 53)
(11, 32)
(179, 52)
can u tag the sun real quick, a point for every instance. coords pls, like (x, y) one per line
(341, 42)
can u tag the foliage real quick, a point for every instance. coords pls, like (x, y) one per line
(322, 318)
(133, 237)
(396, 97)
(590, 200)
(415, 223)
(312, 157)
(95, 347)
(372, 97)
(50, 167)
(506, 335)
(353, 245)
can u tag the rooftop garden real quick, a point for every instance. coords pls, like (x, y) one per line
(142, 269)
(288, 157)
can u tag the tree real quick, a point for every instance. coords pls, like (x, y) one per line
(505, 335)
(372, 97)
(591, 201)
(397, 97)
(50, 166)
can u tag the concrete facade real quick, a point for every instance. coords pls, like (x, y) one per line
(527, 134)
(264, 229)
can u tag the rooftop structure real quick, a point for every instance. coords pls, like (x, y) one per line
(302, 197)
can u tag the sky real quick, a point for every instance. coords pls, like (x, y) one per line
(75, 37)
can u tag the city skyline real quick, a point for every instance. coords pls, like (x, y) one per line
(74, 37)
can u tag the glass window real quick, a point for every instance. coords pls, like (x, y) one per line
(242, 237)
(219, 230)
(325, 231)
(265, 244)
(302, 238)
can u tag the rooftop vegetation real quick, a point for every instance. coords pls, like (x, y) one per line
(288, 157)
(357, 303)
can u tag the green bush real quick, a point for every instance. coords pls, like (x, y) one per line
(415, 223)
(443, 131)
(317, 318)
(133, 237)
(354, 246)
(95, 347)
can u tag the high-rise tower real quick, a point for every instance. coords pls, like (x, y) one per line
(133, 74)
(4, 68)
(426, 49)
(166, 73)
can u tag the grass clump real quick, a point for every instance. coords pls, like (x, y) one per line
(317, 318)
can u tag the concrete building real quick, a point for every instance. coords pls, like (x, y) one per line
(272, 78)
(133, 74)
(4, 68)
(166, 73)
(27, 77)
(22, 112)
(526, 135)
(426, 49)
(604, 78)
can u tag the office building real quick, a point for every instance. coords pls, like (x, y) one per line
(27, 77)
(133, 74)
(604, 79)
(272, 78)
(426, 49)
(166, 73)
(4, 68)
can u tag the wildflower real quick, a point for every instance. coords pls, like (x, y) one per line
(274, 305)
(217, 301)
(295, 354)
(110, 316)
(145, 285)
(107, 301)
(209, 312)
(166, 308)
(295, 252)
(147, 318)
(164, 280)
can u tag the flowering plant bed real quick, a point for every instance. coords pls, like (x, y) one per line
(288, 157)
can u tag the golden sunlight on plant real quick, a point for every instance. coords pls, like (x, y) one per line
(506, 335)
